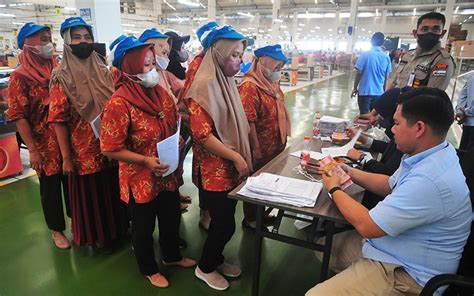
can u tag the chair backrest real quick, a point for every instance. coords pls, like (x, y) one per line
(466, 266)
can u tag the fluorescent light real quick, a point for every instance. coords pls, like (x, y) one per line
(244, 29)
(245, 14)
(129, 25)
(312, 31)
(278, 21)
(456, 10)
(299, 29)
(283, 26)
(2, 5)
(188, 3)
(18, 23)
(7, 15)
(363, 29)
(377, 12)
(330, 30)
(169, 5)
(12, 5)
(414, 11)
(69, 8)
(202, 5)
(315, 1)
(301, 25)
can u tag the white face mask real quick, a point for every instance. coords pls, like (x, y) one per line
(44, 51)
(149, 79)
(274, 76)
(162, 63)
(110, 57)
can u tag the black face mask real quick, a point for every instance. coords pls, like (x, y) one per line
(100, 49)
(82, 50)
(427, 41)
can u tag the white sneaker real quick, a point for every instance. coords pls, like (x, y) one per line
(229, 270)
(213, 279)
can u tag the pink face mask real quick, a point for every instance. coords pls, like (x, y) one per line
(230, 67)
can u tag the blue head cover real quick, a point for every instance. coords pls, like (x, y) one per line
(117, 41)
(151, 33)
(127, 44)
(27, 30)
(224, 32)
(73, 22)
(208, 27)
(273, 51)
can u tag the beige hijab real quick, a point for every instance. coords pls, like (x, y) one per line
(161, 43)
(87, 82)
(256, 75)
(219, 96)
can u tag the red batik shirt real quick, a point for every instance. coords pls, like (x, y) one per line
(27, 99)
(85, 147)
(191, 73)
(124, 126)
(210, 172)
(261, 109)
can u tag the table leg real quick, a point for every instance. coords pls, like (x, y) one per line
(330, 228)
(258, 251)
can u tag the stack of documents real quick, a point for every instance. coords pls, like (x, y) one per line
(329, 124)
(284, 190)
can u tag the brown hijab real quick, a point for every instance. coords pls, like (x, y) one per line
(256, 75)
(219, 96)
(87, 82)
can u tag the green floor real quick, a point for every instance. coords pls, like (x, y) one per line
(31, 265)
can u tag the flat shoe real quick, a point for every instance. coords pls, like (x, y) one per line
(158, 280)
(60, 240)
(185, 262)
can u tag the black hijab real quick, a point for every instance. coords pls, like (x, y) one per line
(175, 65)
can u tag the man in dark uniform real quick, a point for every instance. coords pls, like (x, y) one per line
(428, 64)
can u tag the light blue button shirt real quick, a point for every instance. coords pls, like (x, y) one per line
(374, 65)
(427, 216)
(466, 101)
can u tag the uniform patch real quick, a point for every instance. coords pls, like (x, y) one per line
(439, 73)
(441, 67)
(422, 68)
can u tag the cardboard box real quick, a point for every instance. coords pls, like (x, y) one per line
(463, 49)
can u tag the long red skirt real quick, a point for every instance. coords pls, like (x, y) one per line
(97, 213)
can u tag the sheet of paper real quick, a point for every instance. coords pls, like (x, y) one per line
(168, 151)
(342, 151)
(313, 154)
(95, 124)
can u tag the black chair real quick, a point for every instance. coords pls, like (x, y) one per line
(462, 283)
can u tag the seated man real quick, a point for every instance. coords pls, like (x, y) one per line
(420, 228)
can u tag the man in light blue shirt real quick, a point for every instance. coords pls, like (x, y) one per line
(419, 230)
(465, 114)
(372, 67)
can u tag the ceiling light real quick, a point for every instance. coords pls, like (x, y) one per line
(188, 3)
(414, 11)
(12, 5)
(278, 21)
(315, 1)
(301, 25)
(169, 5)
(245, 14)
(7, 15)
(283, 26)
(69, 8)
(317, 27)
(129, 25)
(330, 30)
(312, 31)
(18, 23)
(456, 10)
(2, 5)
(202, 5)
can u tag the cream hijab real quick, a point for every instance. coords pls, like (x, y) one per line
(160, 44)
(219, 96)
(87, 82)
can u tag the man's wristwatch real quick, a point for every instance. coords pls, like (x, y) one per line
(332, 190)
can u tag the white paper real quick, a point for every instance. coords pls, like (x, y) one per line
(313, 154)
(279, 189)
(168, 151)
(95, 125)
(342, 151)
